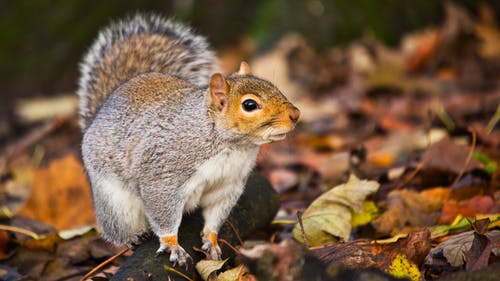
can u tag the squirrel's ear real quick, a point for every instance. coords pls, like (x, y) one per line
(218, 91)
(244, 69)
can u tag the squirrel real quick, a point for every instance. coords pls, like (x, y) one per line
(164, 132)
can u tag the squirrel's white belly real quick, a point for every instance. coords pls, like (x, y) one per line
(227, 169)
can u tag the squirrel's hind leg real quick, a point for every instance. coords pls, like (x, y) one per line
(119, 211)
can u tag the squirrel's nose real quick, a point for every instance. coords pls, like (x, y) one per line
(294, 114)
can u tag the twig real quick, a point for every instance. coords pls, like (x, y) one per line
(20, 230)
(104, 263)
(445, 118)
(284, 221)
(419, 167)
(235, 231)
(493, 121)
(299, 217)
(467, 161)
(230, 246)
(171, 269)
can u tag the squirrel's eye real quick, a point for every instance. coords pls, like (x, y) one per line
(250, 105)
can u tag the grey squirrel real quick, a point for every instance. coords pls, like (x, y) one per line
(164, 132)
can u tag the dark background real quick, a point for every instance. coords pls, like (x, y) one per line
(42, 41)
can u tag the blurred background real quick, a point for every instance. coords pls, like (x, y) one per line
(43, 41)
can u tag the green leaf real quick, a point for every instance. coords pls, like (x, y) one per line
(329, 217)
(489, 165)
(462, 223)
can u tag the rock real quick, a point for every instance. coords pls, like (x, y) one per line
(255, 209)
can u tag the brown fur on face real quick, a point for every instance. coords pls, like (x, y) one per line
(274, 117)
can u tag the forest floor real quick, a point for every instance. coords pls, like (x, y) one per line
(394, 165)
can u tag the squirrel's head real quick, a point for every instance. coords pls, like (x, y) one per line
(250, 106)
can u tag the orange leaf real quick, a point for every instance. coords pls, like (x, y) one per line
(60, 195)
(467, 208)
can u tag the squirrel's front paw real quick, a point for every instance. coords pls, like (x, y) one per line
(178, 256)
(211, 246)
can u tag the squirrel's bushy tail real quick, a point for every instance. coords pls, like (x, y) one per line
(140, 44)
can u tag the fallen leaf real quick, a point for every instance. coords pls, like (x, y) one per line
(419, 48)
(406, 210)
(479, 253)
(436, 194)
(460, 223)
(335, 168)
(365, 254)
(75, 232)
(233, 274)
(4, 240)
(402, 268)
(37, 109)
(60, 195)
(481, 204)
(208, 268)
(454, 248)
(329, 216)
(369, 212)
(489, 165)
(448, 156)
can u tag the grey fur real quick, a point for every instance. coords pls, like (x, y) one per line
(195, 64)
(151, 155)
(146, 139)
(155, 145)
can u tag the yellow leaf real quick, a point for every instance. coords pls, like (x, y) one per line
(392, 239)
(401, 267)
(370, 212)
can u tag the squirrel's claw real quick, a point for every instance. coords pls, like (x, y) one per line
(178, 256)
(211, 247)
(213, 251)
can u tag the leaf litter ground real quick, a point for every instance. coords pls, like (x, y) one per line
(416, 127)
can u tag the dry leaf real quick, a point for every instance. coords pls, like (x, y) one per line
(365, 254)
(455, 247)
(60, 195)
(233, 274)
(406, 210)
(448, 156)
(467, 208)
(208, 268)
(329, 216)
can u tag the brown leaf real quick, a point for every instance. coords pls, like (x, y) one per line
(455, 250)
(448, 156)
(60, 195)
(480, 226)
(4, 240)
(479, 253)
(365, 254)
(406, 210)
